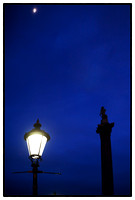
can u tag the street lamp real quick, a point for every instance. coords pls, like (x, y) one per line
(36, 140)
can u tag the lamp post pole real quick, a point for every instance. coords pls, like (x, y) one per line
(35, 171)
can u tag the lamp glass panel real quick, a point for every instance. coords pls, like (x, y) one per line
(36, 143)
(44, 140)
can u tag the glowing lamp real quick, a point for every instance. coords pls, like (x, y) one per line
(36, 140)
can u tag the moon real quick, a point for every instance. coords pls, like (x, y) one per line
(34, 10)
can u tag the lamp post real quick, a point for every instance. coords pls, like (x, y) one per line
(36, 140)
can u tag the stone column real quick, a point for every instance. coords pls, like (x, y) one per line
(104, 129)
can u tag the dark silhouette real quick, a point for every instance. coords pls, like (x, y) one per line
(104, 129)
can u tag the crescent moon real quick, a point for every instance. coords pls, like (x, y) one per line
(34, 10)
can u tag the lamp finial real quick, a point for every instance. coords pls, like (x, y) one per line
(37, 125)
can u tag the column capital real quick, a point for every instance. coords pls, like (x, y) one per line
(105, 128)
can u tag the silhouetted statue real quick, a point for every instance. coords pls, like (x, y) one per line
(103, 115)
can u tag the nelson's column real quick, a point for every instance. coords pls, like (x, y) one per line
(104, 129)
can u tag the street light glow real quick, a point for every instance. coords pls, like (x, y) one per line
(36, 140)
(36, 144)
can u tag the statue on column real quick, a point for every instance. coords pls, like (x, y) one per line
(103, 115)
(104, 130)
(105, 125)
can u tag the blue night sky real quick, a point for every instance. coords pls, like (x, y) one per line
(62, 64)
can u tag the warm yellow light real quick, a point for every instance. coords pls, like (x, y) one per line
(36, 143)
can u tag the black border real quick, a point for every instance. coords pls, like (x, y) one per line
(67, 3)
(131, 100)
(3, 100)
(4, 4)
